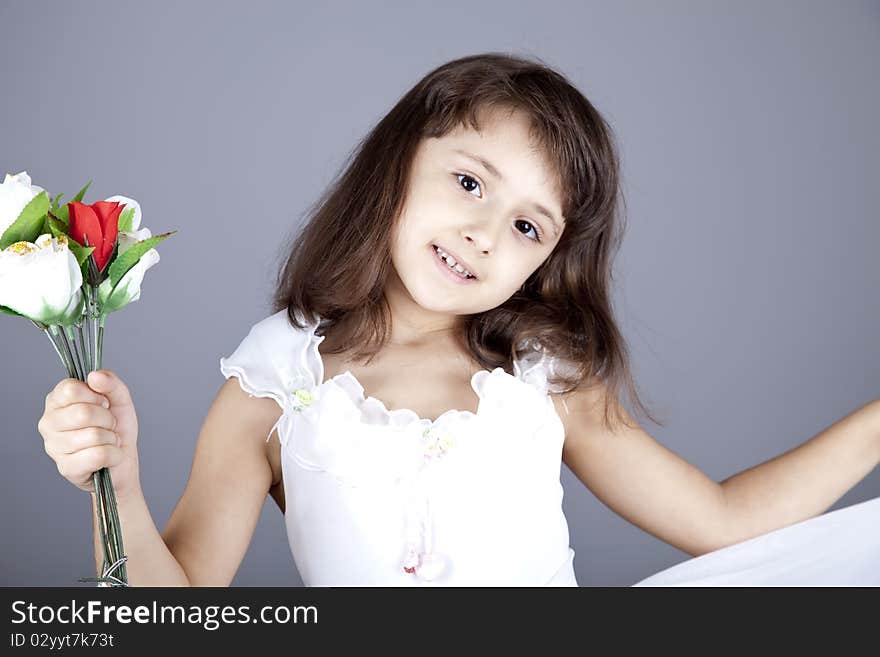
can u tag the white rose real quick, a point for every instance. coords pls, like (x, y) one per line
(126, 239)
(134, 235)
(15, 193)
(129, 288)
(42, 280)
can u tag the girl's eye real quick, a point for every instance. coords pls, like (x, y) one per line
(537, 237)
(464, 175)
(533, 228)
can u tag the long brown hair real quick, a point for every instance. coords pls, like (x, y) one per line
(339, 260)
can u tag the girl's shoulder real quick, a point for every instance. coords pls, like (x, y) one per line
(275, 358)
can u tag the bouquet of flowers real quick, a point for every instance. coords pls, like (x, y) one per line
(65, 268)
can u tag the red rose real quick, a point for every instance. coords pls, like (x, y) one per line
(100, 223)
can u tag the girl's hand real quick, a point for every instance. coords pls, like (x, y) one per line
(82, 436)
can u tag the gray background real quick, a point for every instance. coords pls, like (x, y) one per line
(747, 284)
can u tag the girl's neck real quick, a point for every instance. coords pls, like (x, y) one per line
(406, 334)
(412, 325)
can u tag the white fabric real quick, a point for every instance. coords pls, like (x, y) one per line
(472, 499)
(379, 497)
(838, 548)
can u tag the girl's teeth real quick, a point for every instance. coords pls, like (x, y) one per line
(451, 262)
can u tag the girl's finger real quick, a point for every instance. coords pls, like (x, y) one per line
(73, 442)
(80, 415)
(77, 467)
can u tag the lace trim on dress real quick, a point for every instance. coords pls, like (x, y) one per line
(362, 442)
(280, 361)
(531, 370)
(271, 362)
(245, 382)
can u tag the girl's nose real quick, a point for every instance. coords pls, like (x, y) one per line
(483, 236)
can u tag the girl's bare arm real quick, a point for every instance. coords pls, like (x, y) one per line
(660, 492)
(805, 481)
(212, 525)
(209, 530)
(149, 561)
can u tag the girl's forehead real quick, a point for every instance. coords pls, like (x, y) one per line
(496, 151)
(501, 156)
(490, 122)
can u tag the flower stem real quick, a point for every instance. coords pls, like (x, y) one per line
(97, 332)
(113, 548)
(87, 325)
(73, 358)
(71, 339)
(84, 347)
(100, 342)
(61, 344)
(58, 351)
(79, 361)
(99, 494)
(117, 529)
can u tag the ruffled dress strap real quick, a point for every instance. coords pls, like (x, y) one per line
(275, 360)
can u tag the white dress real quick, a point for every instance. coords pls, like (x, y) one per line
(378, 497)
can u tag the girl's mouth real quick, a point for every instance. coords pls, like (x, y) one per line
(460, 277)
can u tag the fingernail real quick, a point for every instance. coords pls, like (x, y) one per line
(105, 404)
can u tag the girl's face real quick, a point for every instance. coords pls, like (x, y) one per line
(484, 216)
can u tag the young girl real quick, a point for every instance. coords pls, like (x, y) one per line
(442, 338)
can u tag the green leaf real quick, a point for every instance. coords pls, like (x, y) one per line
(74, 243)
(129, 258)
(56, 201)
(27, 227)
(82, 192)
(9, 311)
(125, 220)
(55, 226)
(80, 252)
(62, 213)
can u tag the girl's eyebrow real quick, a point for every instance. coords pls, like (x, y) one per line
(488, 166)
